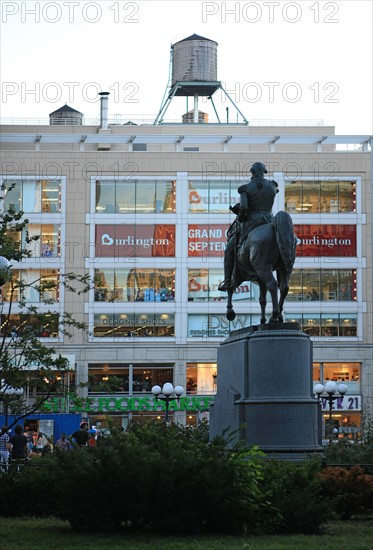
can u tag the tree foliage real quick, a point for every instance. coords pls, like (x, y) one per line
(27, 360)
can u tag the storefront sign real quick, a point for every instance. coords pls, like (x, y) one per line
(207, 240)
(109, 404)
(347, 403)
(145, 241)
(218, 325)
(326, 240)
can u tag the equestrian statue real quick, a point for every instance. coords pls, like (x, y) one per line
(259, 244)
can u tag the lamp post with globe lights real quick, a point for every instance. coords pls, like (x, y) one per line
(331, 392)
(167, 393)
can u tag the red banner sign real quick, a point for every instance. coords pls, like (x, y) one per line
(207, 240)
(145, 241)
(326, 240)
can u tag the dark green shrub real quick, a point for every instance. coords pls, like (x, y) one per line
(351, 490)
(162, 479)
(294, 490)
(30, 492)
(155, 478)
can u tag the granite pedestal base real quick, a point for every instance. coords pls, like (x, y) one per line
(265, 397)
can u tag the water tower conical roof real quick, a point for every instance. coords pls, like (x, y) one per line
(195, 37)
(65, 109)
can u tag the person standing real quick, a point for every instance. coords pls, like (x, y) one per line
(19, 444)
(81, 436)
(63, 444)
(4, 448)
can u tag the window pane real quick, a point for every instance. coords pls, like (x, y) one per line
(219, 199)
(108, 378)
(311, 324)
(30, 282)
(329, 324)
(105, 197)
(50, 197)
(50, 240)
(310, 197)
(10, 291)
(293, 196)
(12, 194)
(329, 196)
(329, 284)
(295, 286)
(347, 325)
(145, 378)
(145, 196)
(166, 196)
(198, 285)
(347, 196)
(311, 285)
(347, 285)
(104, 285)
(198, 196)
(49, 283)
(125, 197)
(316, 373)
(31, 196)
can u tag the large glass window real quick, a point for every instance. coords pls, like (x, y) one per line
(135, 196)
(43, 325)
(131, 325)
(203, 287)
(333, 196)
(35, 285)
(34, 195)
(346, 373)
(47, 243)
(201, 378)
(322, 284)
(130, 285)
(214, 197)
(336, 324)
(114, 378)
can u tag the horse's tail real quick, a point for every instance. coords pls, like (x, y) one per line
(286, 239)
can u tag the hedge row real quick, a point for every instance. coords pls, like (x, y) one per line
(172, 479)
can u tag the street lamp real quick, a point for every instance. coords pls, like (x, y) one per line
(169, 394)
(330, 392)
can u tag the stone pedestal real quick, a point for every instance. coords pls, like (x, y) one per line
(265, 397)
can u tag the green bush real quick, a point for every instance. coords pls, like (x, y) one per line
(30, 492)
(294, 490)
(155, 478)
(358, 450)
(162, 479)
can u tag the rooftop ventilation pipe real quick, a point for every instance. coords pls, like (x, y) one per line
(104, 110)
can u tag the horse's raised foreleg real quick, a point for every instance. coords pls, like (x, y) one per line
(230, 311)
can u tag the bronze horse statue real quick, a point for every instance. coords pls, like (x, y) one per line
(266, 249)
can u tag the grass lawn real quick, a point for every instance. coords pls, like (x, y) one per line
(39, 534)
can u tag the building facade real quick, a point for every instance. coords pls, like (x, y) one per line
(144, 209)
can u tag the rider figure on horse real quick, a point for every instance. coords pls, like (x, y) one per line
(255, 208)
